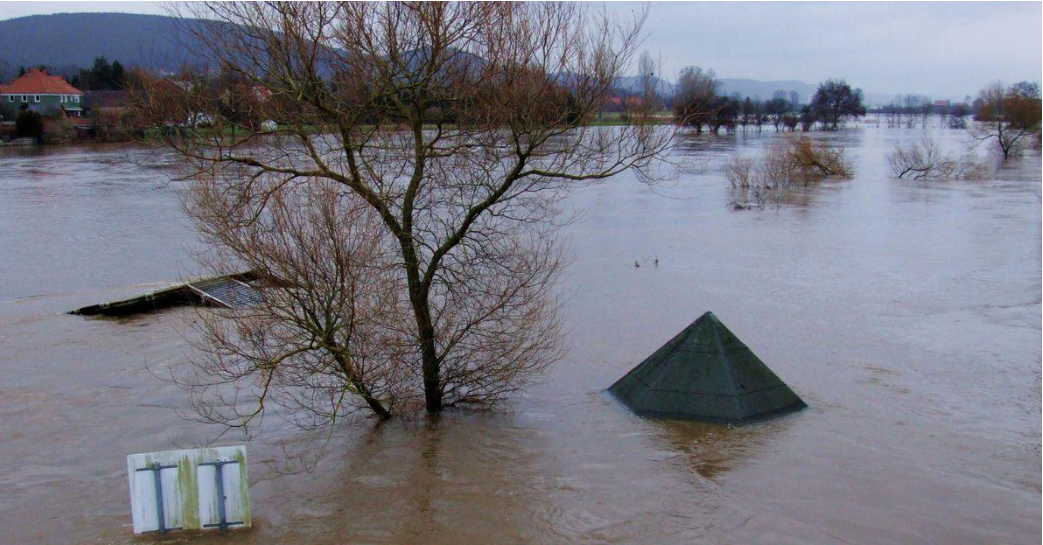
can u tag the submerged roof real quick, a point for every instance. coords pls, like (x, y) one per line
(239, 290)
(38, 82)
(705, 373)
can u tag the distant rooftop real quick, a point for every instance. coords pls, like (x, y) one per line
(39, 82)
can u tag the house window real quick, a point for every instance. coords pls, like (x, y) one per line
(25, 98)
(36, 98)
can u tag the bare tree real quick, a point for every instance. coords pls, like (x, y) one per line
(791, 160)
(1007, 115)
(457, 128)
(651, 85)
(320, 342)
(924, 160)
(696, 100)
(917, 110)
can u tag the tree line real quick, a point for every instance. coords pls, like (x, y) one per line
(103, 74)
(699, 104)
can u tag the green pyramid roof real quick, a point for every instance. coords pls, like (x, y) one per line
(705, 373)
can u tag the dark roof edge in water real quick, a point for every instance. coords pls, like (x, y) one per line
(193, 292)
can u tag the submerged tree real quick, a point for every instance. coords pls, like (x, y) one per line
(777, 107)
(835, 101)
(1008, 115)
(789, 161)
(924, 160)
(424, 148)
(696, 100)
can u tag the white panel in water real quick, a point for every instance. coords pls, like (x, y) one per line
(190, 498)
(143, 485)
(209, 509)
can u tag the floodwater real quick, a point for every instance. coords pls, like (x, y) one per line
(907, 314)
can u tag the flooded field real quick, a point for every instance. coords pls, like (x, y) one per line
(906, 314)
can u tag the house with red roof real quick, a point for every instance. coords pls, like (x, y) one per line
(43, 93)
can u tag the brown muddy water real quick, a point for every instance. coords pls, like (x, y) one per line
(906, 314)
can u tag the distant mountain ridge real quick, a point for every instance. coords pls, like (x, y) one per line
(68, 41)
(65, 40)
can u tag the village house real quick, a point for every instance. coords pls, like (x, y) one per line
(42, 93)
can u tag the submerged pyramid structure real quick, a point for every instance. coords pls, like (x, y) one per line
(705, 373)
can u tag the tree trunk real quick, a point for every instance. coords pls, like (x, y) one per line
(418, 299)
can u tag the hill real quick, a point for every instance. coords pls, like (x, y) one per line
(66, 40)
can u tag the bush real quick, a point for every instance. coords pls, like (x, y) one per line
(29, 124)
(7, 111)
(924, 161)
(740, 172)
(814, 160)
(796, 160)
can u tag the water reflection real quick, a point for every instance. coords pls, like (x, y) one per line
(712, 449)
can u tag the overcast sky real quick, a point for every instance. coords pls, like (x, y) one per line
(942, 49)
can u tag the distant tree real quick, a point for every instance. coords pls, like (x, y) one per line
(236, 99)
(29, 124)
(1025, 89)
(724, 113)
(1007, 115)
(21, 71)
(776, 108)
(807, 118)
(646, 66)
(916, 108)
(835, 102)
(749, 113)
(958, 113)
(794, 99)
(893, 112)
(117, 75)
(696, 97)
(102, 76)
